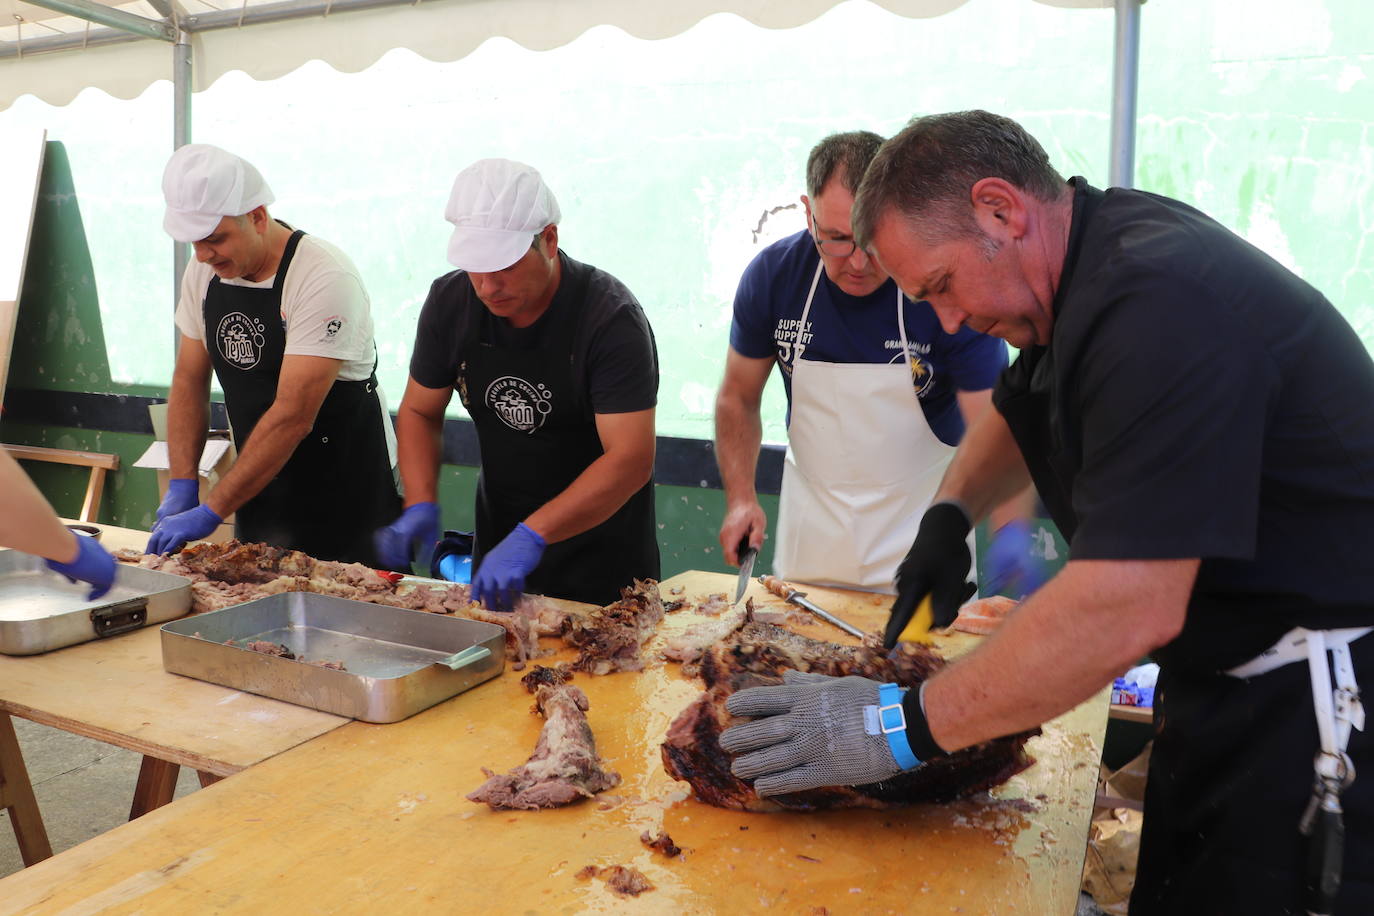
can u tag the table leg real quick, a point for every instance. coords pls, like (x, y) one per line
(157, 783)
(16, 796)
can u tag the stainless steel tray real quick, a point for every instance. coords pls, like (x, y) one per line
(396, 661)
(40, 610)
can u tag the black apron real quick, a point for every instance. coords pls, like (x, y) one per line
(1231, 768)
(537, 433)
(337, 487)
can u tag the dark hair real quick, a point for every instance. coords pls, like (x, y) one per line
(842, 156)
(927, 171)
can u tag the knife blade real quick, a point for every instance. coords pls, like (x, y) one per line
(747, 555)
(801, 601)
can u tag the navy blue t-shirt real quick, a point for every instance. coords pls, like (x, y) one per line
(841, 328)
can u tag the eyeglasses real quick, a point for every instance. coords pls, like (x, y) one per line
(835, 248)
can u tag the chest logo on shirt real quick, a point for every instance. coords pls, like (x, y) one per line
(240, 340)
(520, 405)
(922, 374)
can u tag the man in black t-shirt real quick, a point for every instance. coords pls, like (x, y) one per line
(1197, 420)
(555, 362)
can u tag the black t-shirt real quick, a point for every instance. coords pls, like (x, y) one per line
(1203, 401)
(613, 353)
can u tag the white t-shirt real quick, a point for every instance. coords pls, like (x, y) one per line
(323, 304)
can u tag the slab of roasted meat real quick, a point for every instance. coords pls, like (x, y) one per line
(757, 656)
(223, 575)
(610, 638)
(564, 767)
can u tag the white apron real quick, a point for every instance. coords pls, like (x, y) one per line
(862, 465)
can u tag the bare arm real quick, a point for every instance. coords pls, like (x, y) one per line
(301, 389)
(626, 465)
(739, 434)
(419, 439)
(188, 409)
(1082, 628)
(974, 405)
(27, 522)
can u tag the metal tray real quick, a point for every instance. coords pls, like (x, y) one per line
(396, 661)
(40, 610)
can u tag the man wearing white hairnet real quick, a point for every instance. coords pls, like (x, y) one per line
(284, 322)
(555, 362)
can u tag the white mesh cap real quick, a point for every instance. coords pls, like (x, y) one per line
(496, 207)
(202, 184)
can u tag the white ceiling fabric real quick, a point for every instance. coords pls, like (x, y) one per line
(441, 30)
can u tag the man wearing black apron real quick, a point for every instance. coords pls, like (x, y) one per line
(1197, 420)
(555, 363)
(283, 321)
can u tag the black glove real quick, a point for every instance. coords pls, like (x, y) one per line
(937, 565)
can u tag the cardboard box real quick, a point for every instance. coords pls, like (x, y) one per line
(215, 460)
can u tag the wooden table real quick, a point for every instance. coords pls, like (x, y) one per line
(115, 690)
(372, 817)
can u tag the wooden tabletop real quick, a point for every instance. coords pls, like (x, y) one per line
(115, 690)
(372, 817)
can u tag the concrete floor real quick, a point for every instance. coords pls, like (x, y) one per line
(84, 787)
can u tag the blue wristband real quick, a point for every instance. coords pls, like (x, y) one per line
(892, 719)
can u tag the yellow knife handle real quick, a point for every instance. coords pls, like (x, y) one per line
(918, 629)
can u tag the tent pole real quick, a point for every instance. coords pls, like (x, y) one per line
(1125, 80)
(181, 135)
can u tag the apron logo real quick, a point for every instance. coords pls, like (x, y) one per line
(240, 340)
(521, 406)
(922, 372)
(332, 327)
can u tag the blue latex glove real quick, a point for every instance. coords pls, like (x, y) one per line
(501, 577)
(175, 530)
(417, 527)
(93, 564)
(1008, 566)
(183, 493)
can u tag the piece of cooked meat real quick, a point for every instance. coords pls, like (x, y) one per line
(757, 656)
(610, 638)
(984, 615)
(542, 676)
(271, 648)
(662, 843)
(564, 767)
(624, 880)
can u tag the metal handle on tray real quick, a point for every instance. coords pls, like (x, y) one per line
(113, 619)
(467, 657)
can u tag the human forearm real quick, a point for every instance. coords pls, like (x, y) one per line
(1020, 506)
(987, 470)
(419, 440)
(594, 496)
(188, 419)
(266, 452)
(739, 436)
(27, 522)
(1068, 640)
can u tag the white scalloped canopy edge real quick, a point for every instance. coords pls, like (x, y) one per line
(440, 30)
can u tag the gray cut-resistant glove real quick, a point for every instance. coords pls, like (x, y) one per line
(813, 735)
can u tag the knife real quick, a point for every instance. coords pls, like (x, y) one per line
(800, 600)
(746, 555)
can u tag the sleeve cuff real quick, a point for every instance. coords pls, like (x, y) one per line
(917, 729)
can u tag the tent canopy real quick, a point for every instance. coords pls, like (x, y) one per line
(270, 38)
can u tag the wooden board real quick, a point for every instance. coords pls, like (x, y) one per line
(372, 818)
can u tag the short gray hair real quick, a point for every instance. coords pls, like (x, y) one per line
(843, 156)
(926, 172)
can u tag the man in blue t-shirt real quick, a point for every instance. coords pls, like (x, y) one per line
(878, 395)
